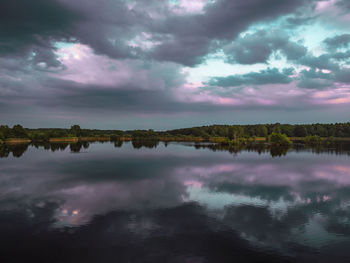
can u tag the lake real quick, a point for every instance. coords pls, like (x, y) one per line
(174, 202)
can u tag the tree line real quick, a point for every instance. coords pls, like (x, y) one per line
(264, 130)
(43, 134)
(231, 132)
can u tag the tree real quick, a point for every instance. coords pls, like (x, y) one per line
(300, 131)
(321, 130)
(278, 139)
(231, 134)
(239, 131)
(287, 129)
(276, 128)
(261, 131)
(4, 132)
(313, 140)
(19, 132)
(75, 130)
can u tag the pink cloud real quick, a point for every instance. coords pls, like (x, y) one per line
(144, 41)
(329, 12)
(207, 172)
(325, 5)
(83, 66)
(193, 183)
(263, 95)
(269, 173)
(338, 95)
(189, 6)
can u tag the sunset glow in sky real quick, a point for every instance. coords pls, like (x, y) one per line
(126, 64)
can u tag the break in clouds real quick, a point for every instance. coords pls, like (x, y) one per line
(126, 64)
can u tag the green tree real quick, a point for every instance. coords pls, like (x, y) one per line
(261, 131)
(279, 139)
(313, 140)
(231, 134)
(75, 130)
(276, 128)
(19, 132)
(300, 131)
(4, 132)
(287, 129)
(279, 151)
(321, 130)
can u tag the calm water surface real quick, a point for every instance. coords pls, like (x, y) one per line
(173, 203)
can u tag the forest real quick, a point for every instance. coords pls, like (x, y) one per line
(231, 132)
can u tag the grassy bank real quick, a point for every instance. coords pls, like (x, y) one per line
(181, 139)
(15, 141)
(220, 140)
(72, 139)
(94, 139)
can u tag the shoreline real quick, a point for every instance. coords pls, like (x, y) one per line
(162, 139)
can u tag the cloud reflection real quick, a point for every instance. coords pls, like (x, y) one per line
(301, 198)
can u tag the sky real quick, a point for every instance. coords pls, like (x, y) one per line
(164, 64)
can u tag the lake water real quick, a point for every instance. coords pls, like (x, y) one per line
(177, 202)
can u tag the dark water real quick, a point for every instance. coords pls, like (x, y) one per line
(173, 203)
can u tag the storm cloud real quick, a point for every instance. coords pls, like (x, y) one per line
(258, 47)
(338, 41)
(69, 60)
(269, 76)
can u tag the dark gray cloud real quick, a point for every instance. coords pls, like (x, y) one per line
(28, 30)
(268, 76)
(27, 27)
(69, 96)
(321, 62)
(341, 55)
(42, 58)
(340, 41)
(343, 76)
(317, 79)
(297, 21)
(124, 100)
(314, 74)
(75, 101)
(306, 83)
(187, 50)
(108, 27)
(26, 23)
(343, 4)
(222, 20)
(258, 47)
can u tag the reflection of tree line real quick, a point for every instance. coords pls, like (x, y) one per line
(17, 150)
(338, 148)
(277, 151)
(74, 147)
(138, 144)
(256, 147)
